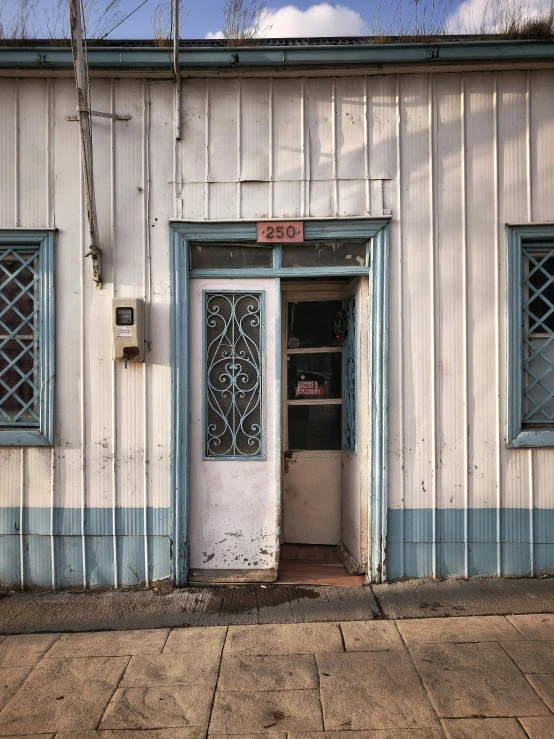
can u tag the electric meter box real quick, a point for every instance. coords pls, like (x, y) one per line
(128, 329)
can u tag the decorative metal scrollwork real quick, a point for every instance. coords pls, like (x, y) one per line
(349, 369)
(233, 375)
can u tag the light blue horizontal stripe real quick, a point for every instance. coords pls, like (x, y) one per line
(98, 521)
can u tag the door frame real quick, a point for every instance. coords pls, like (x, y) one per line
(376, 232)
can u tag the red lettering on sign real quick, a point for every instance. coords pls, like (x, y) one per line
(280, 232)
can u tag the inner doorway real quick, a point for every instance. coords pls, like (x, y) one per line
(324, 431)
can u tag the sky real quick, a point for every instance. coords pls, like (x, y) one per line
(204, 18)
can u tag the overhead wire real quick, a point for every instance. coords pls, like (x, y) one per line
(119, 23)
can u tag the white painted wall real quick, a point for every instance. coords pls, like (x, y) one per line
(452, 156)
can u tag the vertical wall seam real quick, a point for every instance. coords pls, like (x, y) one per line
(177, 160)
(17, 174)
(431, 92)
(334, 145)
(465, 323)
(49, 190)
(207, 150)
(497, 330)
(271, 168)
(531, 454)
(400, 281)
(366, 143)
(146, 282)
(114, 376)
(303, 144)
(82, 384)
(239, 150)
(52, 494)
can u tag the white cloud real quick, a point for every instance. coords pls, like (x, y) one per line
(317, 20)
(474, 16)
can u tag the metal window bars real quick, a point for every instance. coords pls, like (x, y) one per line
(538, 334)
(19, 337)
(233, 375)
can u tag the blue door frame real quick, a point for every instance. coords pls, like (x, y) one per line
(376, 233)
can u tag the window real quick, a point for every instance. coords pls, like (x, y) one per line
(233, 375)
(531, 336)
(26, 338)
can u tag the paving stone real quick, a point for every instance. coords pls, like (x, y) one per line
(11, 679)
(274, 735)
(483, 728)
(428, 732)
(268, 672)
(538, 727)
(462, 629)
(536, 626)
(371, 636)
(266, 712)
(532, 656)
(283, 639)
(175, 733)
(63, 695)
(171, 669)
(544, 685)
(469, 680)
(201, 639)
(372, 690)
(25, 649)
(33, 736)
(110, 643)
(159, 708)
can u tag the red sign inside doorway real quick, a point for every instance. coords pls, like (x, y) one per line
(280, 232)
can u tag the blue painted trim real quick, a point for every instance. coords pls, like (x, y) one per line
(262, 455)
(180, 405)
(278, 407)
(378, 400)
(231, 273)
(44, 434)
(125, 57)
(519, 436)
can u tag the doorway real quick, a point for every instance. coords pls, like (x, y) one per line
(324, 431)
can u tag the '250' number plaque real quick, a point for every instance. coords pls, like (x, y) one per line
(281, 232)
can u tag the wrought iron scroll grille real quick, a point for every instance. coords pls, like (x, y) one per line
(349, 374)
(19, 337)
(538, 335)
(233, 375)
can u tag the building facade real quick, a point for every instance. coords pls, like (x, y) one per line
(380, 377)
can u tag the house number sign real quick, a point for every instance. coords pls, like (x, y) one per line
(280, 232)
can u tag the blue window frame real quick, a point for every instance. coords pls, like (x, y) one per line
(233, 346)
(530, 336)
(26, 338)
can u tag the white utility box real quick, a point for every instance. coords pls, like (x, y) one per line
(128, 329)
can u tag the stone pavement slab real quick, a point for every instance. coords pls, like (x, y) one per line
(171, 669)
(535, 626)
(63, 695)
(174, 733)
(531, 656)
(110, 643)
(468, 680)
(11, 679)
(544, 686)
(266, 712)
(483, 728)
(284, 639)
(461, 629)
(429, 732)
(372, 690)
(371, 636)
(159, 707)
(201, 639)
(268, 672)
(539, 727)
(25, 649)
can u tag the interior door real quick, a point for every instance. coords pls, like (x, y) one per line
(312, 414)
(355, 447)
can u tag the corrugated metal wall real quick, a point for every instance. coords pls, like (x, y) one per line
(452, 156)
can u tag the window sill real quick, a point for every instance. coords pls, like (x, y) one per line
(24, 437)
(533, 438)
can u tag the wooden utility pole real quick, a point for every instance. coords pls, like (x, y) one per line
(85, 125)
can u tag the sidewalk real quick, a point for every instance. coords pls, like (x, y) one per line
(480, 677)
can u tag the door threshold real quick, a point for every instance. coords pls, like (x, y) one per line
(314, 564)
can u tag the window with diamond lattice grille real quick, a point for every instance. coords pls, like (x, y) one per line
(538, 335)
(19, 337)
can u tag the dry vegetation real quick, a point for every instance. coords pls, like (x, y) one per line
(30, 19)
